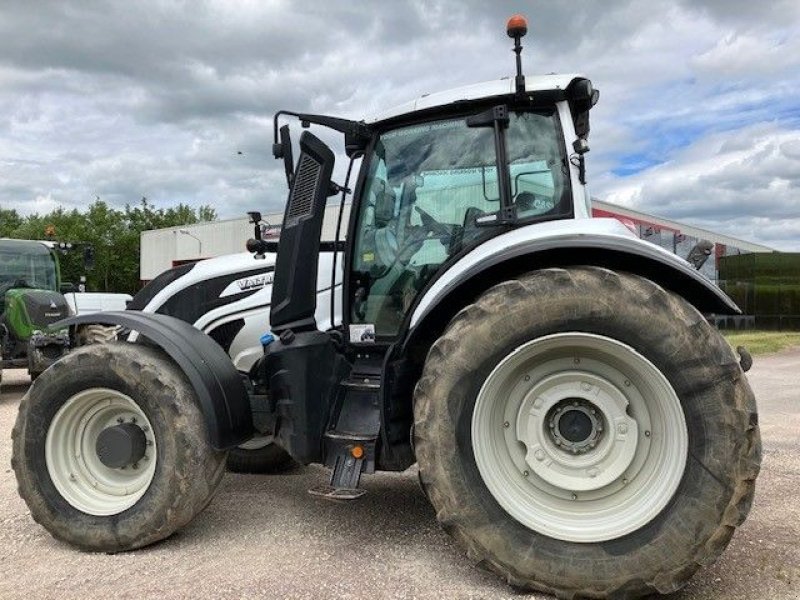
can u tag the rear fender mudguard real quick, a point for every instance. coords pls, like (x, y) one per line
(220, 390)
(595, 242)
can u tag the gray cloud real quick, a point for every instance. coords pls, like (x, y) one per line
(121, 100)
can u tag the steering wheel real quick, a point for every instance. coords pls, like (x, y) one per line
(432, 225)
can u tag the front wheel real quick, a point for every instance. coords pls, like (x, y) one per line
(586, 433)
(110, 448)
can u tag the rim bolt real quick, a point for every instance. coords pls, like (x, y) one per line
(593, 411)
(133, 419)
(558, 442)
(506, 424)
(539, 454)
(145, 428)
(646, 434)
(525, 473)
(149, 442)
(624, 480)
(552, 425)
(120, 420)
(527, 377)
(145, 457)
(627, 383)
(135, 465)
(577, 360)
(623, 428)
(574, 496)
(72, 477)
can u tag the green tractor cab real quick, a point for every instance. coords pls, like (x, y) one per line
(30, 302)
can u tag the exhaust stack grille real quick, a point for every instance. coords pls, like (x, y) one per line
(301, 202)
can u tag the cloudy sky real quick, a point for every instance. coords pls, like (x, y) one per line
(699, 118)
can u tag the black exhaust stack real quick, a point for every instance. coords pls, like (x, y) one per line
(294, 291)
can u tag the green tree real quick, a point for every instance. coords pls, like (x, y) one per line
(9, 221)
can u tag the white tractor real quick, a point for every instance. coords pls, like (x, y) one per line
(579, 426)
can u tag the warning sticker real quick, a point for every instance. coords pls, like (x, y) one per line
(363, 333)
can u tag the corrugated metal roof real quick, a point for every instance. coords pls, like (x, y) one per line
(690, 230)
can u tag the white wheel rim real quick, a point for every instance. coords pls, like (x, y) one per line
(609, 482)
(72, 462)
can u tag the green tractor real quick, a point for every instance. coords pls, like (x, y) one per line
(31, 300)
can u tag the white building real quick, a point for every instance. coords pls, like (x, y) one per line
(165, 248)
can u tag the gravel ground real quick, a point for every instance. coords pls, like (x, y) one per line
(264, 536)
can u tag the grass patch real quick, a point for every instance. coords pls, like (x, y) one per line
(763, 342)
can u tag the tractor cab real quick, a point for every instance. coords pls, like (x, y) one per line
(440, 175)
(27, 264)
(433, 190)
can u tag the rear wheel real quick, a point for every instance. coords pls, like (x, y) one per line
(587, 418)
(110, 449)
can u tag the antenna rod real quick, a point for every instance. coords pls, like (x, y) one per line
(520, 78)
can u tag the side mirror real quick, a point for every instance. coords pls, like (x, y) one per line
(88, 257)
(68, 288)
(582, 97)
(283, 149)
(255, 219)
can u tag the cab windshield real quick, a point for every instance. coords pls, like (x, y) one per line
(19, 268)
(426, 186)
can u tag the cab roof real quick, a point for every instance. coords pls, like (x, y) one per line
(476, 91)
(26, 246)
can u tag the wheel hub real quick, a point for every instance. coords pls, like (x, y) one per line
(121, 445)
(575, 425)
(561, 421)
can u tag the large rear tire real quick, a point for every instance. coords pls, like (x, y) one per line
(67, 438)
(586, 433)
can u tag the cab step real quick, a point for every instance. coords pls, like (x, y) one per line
(350, 443)
(328, 492)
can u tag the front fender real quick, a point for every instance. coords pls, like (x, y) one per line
(221, 393)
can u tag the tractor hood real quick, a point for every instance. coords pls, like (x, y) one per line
(29, 310)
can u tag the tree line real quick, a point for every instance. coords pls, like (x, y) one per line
(113, 235)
